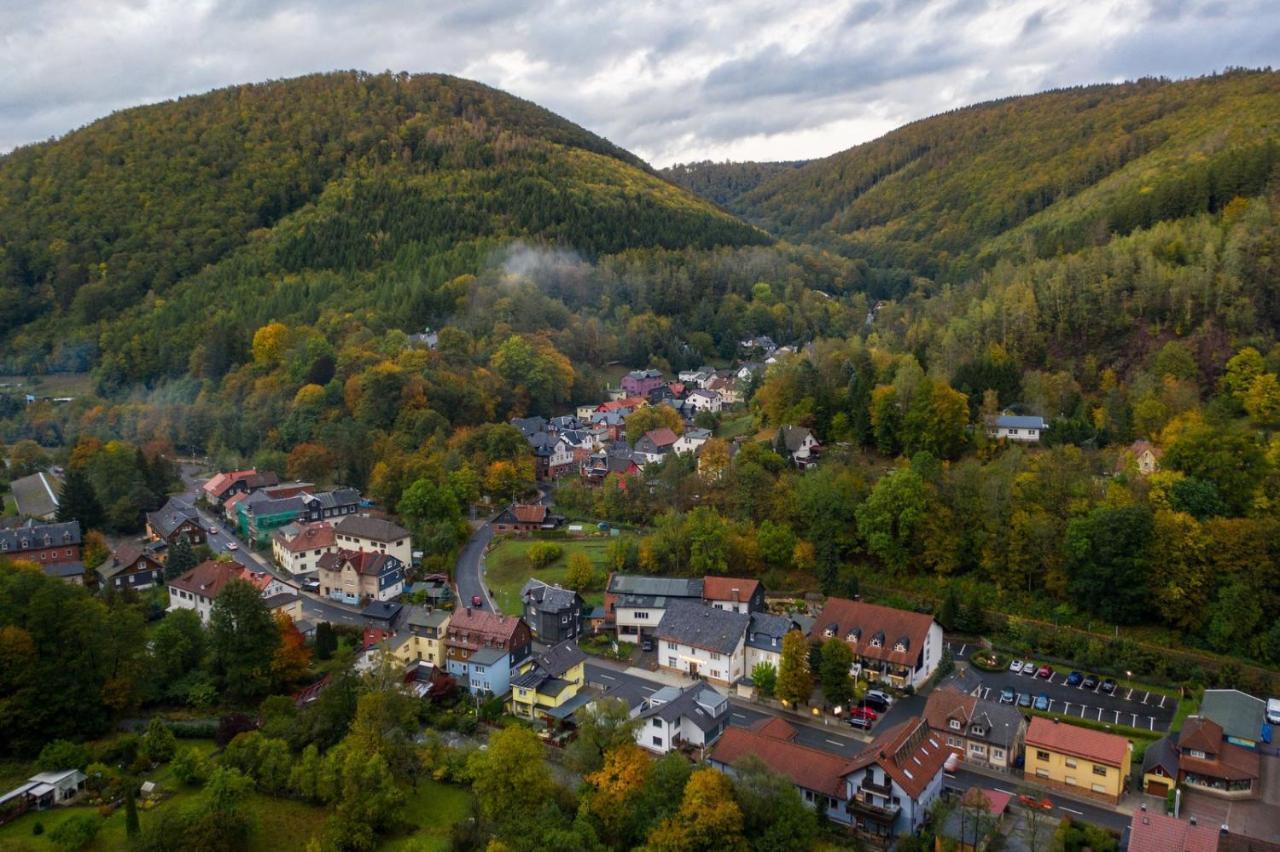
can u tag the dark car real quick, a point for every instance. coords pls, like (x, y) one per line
(1109, 686)
(875, 703)
(1024, 700)
(476, 600)
(646, 645)
(1075, 679)
(1090, 682)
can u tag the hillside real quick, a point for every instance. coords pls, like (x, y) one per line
(1048, 173)
(724, 183)
(347, 173)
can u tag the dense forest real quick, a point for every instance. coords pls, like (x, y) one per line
(724, 183)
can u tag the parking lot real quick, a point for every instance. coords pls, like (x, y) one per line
(1137, 708)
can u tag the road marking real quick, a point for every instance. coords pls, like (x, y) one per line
(1145, 696)
(1050, 705)
(1117, 712)
(1162, 700)
(998, 790)
(607, 677)
(837, 743)
(962, 649)
(739, 716)
(1151, 720)
(1128, 694)
(1066, 707)
(649, 688)
(986, 690)
(1099, 714)
(1135, 719)
(1070, 811)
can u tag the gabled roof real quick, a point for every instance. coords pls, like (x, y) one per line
(702, 626)
(172, 515)
(1222, 759)
(482, 623)
(209, 578)
(669, 587)
(1239, 713)
(846, 618)
(421, 616)
(550, 598)
(374, 529)
(1063, 738)
(1153, 832)
(1200, 734)
(773, 744)
(698, 703)
(909, 753)
(794, 437)
(366, 563)
(297, 537)
(525, 513)
(33, 536)
(124, 557)
(222, 481)
(1000, 721)
(1015, 421)
(37, 494)
(558, 659)
(735, 589)
(1163, 754)
(765, 631)
(663, 437)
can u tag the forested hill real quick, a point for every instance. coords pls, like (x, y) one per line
(346, 172)
(1048, 173)
(724, 183)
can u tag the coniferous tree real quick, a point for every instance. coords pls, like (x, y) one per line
(181, 559)
(78, 502)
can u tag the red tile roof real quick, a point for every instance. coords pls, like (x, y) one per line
(909, 753)
(722, 588)
(1064, 738)
(367, 563)
(309, 536)
(807, 767)
(844, 616)
(208, 578)
(474, 628)
(1153, 832)
(663, 437)
(530, 514)
(223, 481)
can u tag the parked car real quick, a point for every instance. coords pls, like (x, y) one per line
(859, 722)
(1090, 682)
(214, 531)
(646, 644)
(1034, 803)
(1075, 679)
(1029, 668)
(1016, 666)
(1042, 701)
(476, 600)
(311, 585)
(1109, 686)
(1008, 695)
(1046, 672)
(863, 713)
(1024, 700)
(874, 702)
(879, 696)
(231, 545)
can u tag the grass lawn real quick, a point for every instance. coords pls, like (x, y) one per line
(507, 569)
(733, 427)
(10, 505)
(431, 810)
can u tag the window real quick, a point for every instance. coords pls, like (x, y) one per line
(1070, 780)
(1042, 755)
(672, 662)
(1071, 764)
(642, 615)
(672, 646)
(657, 723)
(1194, 752)
(657, 741)
(1042, 773)
(715, 657)
(1099, 788)
(954, 723)
(997, 754)
(1100, 771)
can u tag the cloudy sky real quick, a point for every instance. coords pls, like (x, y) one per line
(672, 81)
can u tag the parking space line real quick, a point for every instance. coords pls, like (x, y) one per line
(1128, 695)
(1151, 722)
(1070, 811)
(1117, 712)
(1066, 707)
(1162, 700)
(986, 691)
(1050, 705)
(1135, 719)
(962, 649)
(739, 716)
(1145, 696)
(837, 743)
(1099, 714)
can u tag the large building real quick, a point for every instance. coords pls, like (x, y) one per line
(37, 495)
(553, 613)
(634, 604)
(174, 520)
(893, 645)
(260, 514)
(550, 686)
(297, 548)
(764, 637)
(54, 547)
(361, 532)
(702, 641)
(1199, 757)
(733, 593)
(482, 649)
(359, 577)
(1076, 759)
(222, 486)
(981, 732)
(199, 588)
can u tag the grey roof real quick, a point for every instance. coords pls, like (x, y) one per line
(1164, 753)
(170, 516)
(421, 616)
(362, 526)
(487, 656)
(530, 425)
(64, 569)
(382, 610)
(33, 536)
(550, 598)
(668, 587)
(282, 599)
(964, 680)
(1014, 421)
(336, 497)
(1240, 714)
(698, 703)
(37, 494)
(793, 437)
(702, 626)
(1002, 721)
(766, 630)
(559, 658)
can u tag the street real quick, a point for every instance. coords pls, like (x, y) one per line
(467, 571)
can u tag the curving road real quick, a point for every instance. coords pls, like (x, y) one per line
(468, 573)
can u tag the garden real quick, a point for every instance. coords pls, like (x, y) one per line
(513, 561)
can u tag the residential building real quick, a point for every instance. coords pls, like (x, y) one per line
(1149, 831)
(900, 647)
(297, 547)
(260, 514)
(703, 399)
(1076, 759)
(656, 444)
(817, 775)
(481, 649)
(1199, 757)
(220, 487)
(421, 638)
(727, 388)
(985, 733)
(702, 641)
(634, 604)
(733, 593)
(1240, 714)
(693, 716)
(198, 588)
(1010, 427)
(640, 382)
(44, 544)
(764, 638)
(362, 532)
(175, 519)
(360, 576)
(616, 460)
(553, 613)
(523, 517)
(801, 446)
(132, 566)
(37, 495)
(691, 440)
(1145, 455)
(550, 686)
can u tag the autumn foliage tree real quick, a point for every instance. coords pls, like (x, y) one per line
(292, 658)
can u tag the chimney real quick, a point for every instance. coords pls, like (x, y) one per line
(1192, 820)
(735, 594)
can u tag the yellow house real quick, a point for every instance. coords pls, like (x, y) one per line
(550, 685)
(421, 641)
(1076, 759)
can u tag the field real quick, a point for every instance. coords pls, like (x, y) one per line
(507, 569)
(53, 384)
(431, 810)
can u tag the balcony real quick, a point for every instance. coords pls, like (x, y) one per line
(887, 813)
(884, 789)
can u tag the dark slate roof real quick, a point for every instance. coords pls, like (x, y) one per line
(635, 590)
(550, 598)
(170, 516)
(698, 703)
(64, 569)
(421, 616)
(530, 425)
(794, 436)
(337, 497)
(1239, 713)
(1012, 421)
(382, 611)
(766, 630)
(376, 529)
(32, 536)
(702, 626)
(558, 659)
(1163, 753)
(487, 656)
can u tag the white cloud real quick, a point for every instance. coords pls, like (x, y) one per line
(671, 81)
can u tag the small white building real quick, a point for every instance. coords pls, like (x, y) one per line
(672, 717)
(703, 641)
(691, 441)
(705, 400)
(634, 604)
(1010, 427)
(297, 547)
(47, 789)
(374, 535)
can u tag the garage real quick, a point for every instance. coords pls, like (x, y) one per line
(1157, 788)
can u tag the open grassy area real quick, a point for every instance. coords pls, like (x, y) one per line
(431, 810)
(53, 384)
(733, 425)
(10, 505)
(507, 569)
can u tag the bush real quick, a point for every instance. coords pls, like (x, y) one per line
(38, 828)
(190, 766)
(542, 553)
(232, 725)
(76, 832)
(988, 661)
(62, 754)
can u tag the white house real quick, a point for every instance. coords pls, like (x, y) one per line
(634, 604)
(1026, 430)
(705, 400)
(801, 446)
(297, 547)
(694, 715)
(703, 641)
(374, 535)
(198, 588)
(764, 639)
(691, 440)
(899, 647)
(43, 791)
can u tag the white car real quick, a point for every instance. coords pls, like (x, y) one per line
(231, 545)
(1016, 666)
(214, 531)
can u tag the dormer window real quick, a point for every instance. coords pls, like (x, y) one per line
(66, 537)
(902, 644)
(978, 731)
(830, 631)
(955, 724)
(877, 640)
(853, 636)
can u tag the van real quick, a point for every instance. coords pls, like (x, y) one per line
(1273, 711)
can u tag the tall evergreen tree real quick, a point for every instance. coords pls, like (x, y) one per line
(182, 558)
(78, 502)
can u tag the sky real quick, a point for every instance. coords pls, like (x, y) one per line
(671, 81)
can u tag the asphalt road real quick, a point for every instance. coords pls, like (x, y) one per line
(468, 571)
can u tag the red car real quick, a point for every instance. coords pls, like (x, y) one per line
(863, 713)
(1033, 802)
(1045, 672)
(476, 600)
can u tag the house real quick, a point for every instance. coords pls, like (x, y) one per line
(1241, 715)
(553, 613)
(549, 686)
(702, 641)
(656, 443)
(358, 576)
(733, 593)
(37, 495)
(132, 566)
(894, 645)
(482, 648)
(634, 604)
(260, 514)
(1075, 759)
(661, 395)
(674, 717)
(1145, 455)
(764, 639)
(381, 620)
(44, 791)
(523, 517)
(361, 532)
(198, 588)
(1200, 758)
(727, 389)
(426, 338)
(640, 382)
(762, 345)
(705, 400)
(219, 488)
(69, 572)
(1149, 831)
(800, 445)
(885, 790)
(44, 544)
(1010, 427)
(691, 441)
(985, 733)
(420, 639)
(297, 547)
(173, 520)
(616, 460)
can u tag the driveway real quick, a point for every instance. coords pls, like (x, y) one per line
(468, 573)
